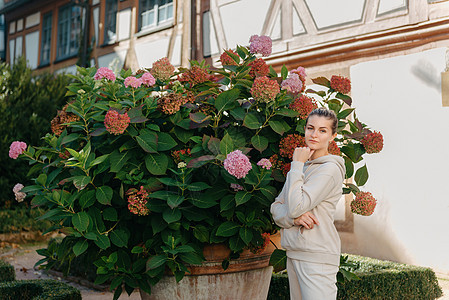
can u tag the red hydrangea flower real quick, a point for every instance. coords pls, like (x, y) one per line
(137, 200)
(180, 155)
(363, 204)
(132, 81)
(104, 73)
(16, 148)
(194, 75)
(264, 89)
(116, 123)
(261, 248)
(285, 168)
(288, 144)
(333, 148)
(373, 142)
(258, 68)
(303, 105)
(237, 164)
(172, 102)
(260, 44)
(226, 60)
(162, 69)
(341, 84)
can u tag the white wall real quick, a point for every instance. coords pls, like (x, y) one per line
(401, 97)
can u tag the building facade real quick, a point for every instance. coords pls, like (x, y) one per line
(394, 52)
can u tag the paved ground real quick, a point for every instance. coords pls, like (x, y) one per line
(23, 258)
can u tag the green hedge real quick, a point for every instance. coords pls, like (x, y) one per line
(7, 272)
(379, 280)
(38, 290)
(22, 219)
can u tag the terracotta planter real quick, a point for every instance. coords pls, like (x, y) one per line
(246, 278)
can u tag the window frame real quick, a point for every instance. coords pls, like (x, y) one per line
(157, 8)
(47, 20)
(70, 34)
(106, 39)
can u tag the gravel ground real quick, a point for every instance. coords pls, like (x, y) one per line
(23, 258)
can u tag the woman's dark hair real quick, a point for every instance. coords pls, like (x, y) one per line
(328, 114)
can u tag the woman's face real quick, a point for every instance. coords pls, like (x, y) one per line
(318, 133)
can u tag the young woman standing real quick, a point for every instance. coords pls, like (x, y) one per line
(305, 211)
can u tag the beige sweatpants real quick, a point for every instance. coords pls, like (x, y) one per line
(311, 281)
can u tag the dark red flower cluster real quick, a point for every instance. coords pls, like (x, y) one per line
(180, 155)
(285, 168)
(258, 68)
(171, 103)
(363, 204)
(341, 84)
(137, 200)
(303, 105)
(226, 60)
(333, 148)
(288, 144)
(261, 248)
(373, 142)
(60, 122)
(116, 123)
(194, 75)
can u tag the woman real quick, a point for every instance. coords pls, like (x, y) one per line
(305, 210)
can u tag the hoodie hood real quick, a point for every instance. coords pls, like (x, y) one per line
(338, 160)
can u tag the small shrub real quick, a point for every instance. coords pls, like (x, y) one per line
(7, 272)
(378, 280)
(22, 219)
(38, 290)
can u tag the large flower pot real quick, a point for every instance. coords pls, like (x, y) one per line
(246, 278)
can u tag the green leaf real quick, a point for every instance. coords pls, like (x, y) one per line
(201, 233)
(183, 135)
(202, 201)
(98, 160)
(227, 202)
(246, 234)
(80, 247)
(226, 100)
(238, 113)
(156, 261)
(165, 142)
(322, 81)
(156, 163)
(284, 72)
(226, 145)
(251, 121)
(278, 260)
(191, 258)
(80, 182)
(259, 142)
(343, 114)
(287, 112)
(137, 250)
(104, 194)
(103, 242)
(361, 176)
(110, 214)
(81, 221)
(228, 228)
(175, 200)
(119, 237)
(171, 215)
(345, 98)
(118, 160)
(214, 145)
(349, 167)
(87, 199)
(242, 197)
(42, 179)
(198, 186)
(148, 140)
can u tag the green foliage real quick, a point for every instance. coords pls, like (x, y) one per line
(38, 290)
(27, 104)
(7, 272)
(141, 202)
(378, 280)
(22, 219)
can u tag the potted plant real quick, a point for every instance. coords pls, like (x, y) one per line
(143, 172)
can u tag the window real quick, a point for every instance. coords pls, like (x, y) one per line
(46, 39)
(69, 30)
(110, 21)
(154, 12)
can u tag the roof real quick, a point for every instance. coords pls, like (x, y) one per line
(12, 5)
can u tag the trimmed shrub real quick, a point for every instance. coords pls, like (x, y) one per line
(7, 272)
(22, 219)
(38, 290)
(378, 280)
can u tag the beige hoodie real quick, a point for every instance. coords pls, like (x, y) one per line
(314, 186)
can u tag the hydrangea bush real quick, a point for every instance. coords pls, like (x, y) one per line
(145, 169)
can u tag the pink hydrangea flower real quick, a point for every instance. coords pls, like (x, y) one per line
(162, 69)
(264, 163)
(264, 89)
(260, 44)
(301, 72)
(363, 204)
(116, 123)
(104, 73)
(148, 79)
(132, 81)
(137, 200)
(17, 192)
(16, 149)
(293, 84)
(237, 164)
(236, 187)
